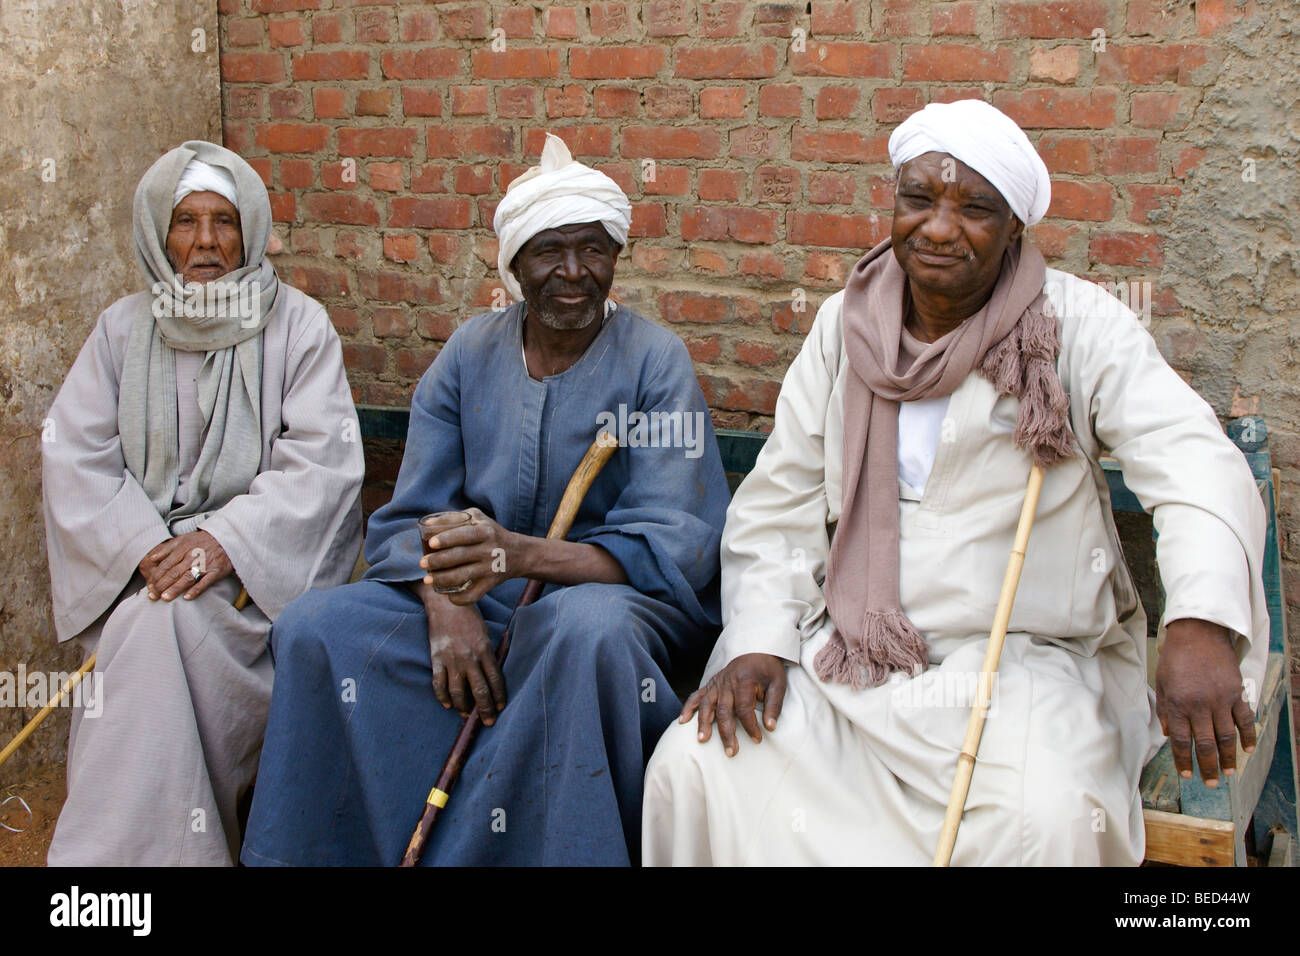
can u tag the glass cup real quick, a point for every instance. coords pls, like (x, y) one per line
(431, 525)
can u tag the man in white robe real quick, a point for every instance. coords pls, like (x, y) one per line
(203, 443)
(851, 768)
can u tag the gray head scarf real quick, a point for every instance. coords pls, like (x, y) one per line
(223, 319)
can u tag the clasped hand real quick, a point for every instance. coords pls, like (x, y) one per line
(169, 567)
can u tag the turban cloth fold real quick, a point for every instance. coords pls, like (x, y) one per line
(201, 177)
(986, 140)
(556, 192)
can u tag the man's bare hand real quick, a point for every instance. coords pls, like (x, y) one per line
(482, 553)
(732, 694)
(1199, 699)
(169, 567)
(465, 672)
(149, 563)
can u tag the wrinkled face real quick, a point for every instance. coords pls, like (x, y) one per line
(951, 226)
(565, 274)
(204, 241)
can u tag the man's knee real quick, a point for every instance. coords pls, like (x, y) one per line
(322, 623)
(1066, 810)
(597, 622)
(303, 628)
(679, 756)
(139, 619)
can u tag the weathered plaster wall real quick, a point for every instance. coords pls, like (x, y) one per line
(100, 89)
(1231, 252)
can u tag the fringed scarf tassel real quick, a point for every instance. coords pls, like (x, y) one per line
(889, 642)
(1023, 364)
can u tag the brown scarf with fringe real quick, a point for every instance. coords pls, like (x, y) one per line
(1013, 341)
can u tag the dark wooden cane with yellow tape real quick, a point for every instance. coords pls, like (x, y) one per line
(599, 453)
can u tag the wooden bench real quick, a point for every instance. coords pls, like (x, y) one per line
(1187, 823)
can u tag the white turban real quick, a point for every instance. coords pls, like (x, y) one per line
(201, 177)
(986, 140)
(556, 192)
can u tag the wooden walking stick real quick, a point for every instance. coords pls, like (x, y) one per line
(241, 602)
(72, 681)
(599, 453)
(1001, 618)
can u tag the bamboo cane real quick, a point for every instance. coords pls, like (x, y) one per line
(1001, 618)
(241, 602)
(599, 453)
(72, 681)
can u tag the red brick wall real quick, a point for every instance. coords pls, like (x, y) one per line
(757, 171)
(770, 169)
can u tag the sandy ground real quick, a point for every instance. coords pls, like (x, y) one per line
(43, 791)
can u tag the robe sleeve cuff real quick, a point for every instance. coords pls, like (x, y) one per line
(1204, 571)
(400, 562)
(637, 559)
(758, 631)
(118, 574)
(246, 568)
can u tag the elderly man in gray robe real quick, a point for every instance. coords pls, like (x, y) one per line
(863, 557)
(202, 468)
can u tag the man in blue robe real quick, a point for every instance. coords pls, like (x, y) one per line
(372, 678)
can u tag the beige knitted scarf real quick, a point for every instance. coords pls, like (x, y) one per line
(1013, 341)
